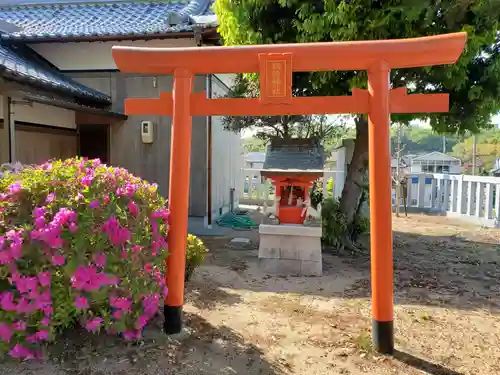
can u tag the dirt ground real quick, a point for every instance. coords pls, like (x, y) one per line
(241, 321)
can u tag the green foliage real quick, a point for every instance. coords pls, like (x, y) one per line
(252, 144)
(79, 242)
(487, 149)
(335, 225)
(195, 254)
(472, 83)
(329, 187)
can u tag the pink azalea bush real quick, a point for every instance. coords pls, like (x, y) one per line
(79, 242)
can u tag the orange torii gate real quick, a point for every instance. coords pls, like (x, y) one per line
(275, 63)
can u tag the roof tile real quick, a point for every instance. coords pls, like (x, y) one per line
(110, 19)
(20, 64)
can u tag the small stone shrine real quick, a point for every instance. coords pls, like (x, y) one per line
(291, 248)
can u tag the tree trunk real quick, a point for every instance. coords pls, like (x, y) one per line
(351, 192)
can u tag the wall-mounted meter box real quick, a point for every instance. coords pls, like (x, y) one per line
(147, 131)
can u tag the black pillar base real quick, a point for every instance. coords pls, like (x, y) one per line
(173, 319)
(383, 337)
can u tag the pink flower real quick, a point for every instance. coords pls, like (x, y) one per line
(40, 222)
(87, 180)
(116, 234)
(7, 302)
(15, 188)
(48, 310)
(94, 204)
(141, 322)
(19, 325)
(50, 198)
(42, 335)
(5, 257)
(150, 304)
(25, 306)
(100, 259)
(44, 278)
(2, 242)
(132, 207)
(161, 213)
(5, 332)
(148, 267)
(45, 322)
(58, 260)
(19, 351)
(121, 303)
(27, 284)
(81, 303)
(106, 199)
(39, 212)
(73, 227)
(94, 324)
(88, 279)
(117, 314)
(64, 216)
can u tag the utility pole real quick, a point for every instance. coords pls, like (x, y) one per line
(474, 149)
(397, 180)
(444, 144)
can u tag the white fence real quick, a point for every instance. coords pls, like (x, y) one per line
(473, 198)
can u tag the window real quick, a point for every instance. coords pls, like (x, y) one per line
(428, 168)
(443, 169)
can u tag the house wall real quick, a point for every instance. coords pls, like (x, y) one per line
(151, 161)
(96, 55)
(34, 143)
(41, 114)
(226, 160)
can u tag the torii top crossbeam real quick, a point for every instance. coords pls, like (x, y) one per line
(307, 57)
(275, 63)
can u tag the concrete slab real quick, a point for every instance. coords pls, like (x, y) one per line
(290, 250)
(196, 226)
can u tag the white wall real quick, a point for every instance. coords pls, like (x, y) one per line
(96, 55)
(42, 114)
(226, 160)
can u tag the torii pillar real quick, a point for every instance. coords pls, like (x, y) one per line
(275, 63)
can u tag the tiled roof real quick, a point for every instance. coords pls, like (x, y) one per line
(20, 64)
(294, 154)
(105, 19)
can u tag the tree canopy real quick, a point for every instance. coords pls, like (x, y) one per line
(473, 83)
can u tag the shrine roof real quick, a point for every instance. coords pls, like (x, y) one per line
(295, 155)
(38, 20)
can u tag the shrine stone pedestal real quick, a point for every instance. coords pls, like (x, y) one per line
(290, 250)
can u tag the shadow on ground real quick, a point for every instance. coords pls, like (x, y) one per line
(423, 365)
(207, 350)
(447, 271)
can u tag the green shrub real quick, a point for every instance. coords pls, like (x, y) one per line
(79, 242)
(334, 223)
(195, 254)
(329, 187)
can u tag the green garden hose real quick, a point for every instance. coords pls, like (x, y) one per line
(237, 222)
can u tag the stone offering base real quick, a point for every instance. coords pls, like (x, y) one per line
(290, 250)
